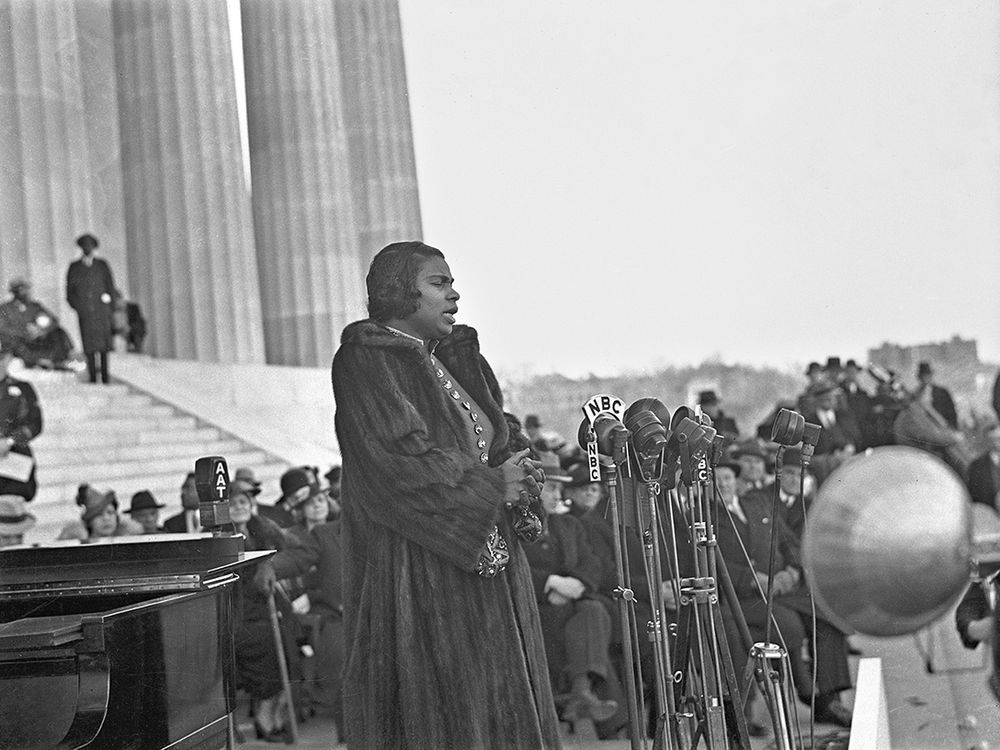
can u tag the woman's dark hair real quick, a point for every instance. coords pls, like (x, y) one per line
(392, 279)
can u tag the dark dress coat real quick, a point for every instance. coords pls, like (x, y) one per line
(20, 420)
(438, 657)
(85, 286)
(984, 480)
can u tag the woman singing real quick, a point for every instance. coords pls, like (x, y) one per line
(444, 647)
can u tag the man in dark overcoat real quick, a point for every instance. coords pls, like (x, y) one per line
(984, 471)
(90, 290)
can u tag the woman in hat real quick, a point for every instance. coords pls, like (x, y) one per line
(33, 329)
(443, 640)
(15, 520)
(99, 517)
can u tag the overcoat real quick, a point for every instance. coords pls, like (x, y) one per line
(85, 290)
(438, 657)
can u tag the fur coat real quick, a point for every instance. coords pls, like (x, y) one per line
(438, 657)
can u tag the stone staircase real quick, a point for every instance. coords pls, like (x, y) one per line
(116, 437)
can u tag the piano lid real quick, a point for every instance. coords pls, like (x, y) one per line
(158, 562)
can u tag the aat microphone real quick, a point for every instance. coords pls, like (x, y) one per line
(211, 479)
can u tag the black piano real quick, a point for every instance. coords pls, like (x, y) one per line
(125, 643)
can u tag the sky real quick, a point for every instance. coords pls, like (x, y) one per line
(625, 185)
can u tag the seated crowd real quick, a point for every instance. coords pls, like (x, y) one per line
(573, 562)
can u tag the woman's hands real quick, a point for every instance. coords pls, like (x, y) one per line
(523, 477)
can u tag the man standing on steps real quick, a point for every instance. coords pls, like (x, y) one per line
(187, 521)
(90, 290)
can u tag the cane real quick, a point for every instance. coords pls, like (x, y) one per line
(282, 666)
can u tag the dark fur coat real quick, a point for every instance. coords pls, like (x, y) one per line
(437, 656)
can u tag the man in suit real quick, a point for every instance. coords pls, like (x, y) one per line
(722, 422)
(839, 437)
(296, 485)
(937, 397)
(745, 523)
(187, 521)
(90, 290)
(984, 472)
(145, 511)
(858, 402)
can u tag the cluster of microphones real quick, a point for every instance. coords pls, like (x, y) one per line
(666, 446)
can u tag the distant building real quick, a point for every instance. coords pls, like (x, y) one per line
(957, 355)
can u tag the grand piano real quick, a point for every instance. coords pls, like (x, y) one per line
(120, 644)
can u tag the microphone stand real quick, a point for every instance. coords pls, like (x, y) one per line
(700, 603)
(624, 595)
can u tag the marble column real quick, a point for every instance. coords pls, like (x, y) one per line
(377, 114)
(60, 171)
(187, 202)
(312, 281)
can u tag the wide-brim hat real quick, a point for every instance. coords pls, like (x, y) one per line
(729, 464)
(87, 239)
(749, 449)
(143, 500)
(14, 518)
(245, 474)
(554, 472)
(303, 495)
(579, 476)
(243, 487)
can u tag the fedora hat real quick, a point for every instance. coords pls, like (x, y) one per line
(143, 500)
(87, 240)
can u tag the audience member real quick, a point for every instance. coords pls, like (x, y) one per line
(90, 290)
(934, 396)
(296, 485)
(15, 520)
(99, 517)
(838, 438)
(33, 330)
(246, 474)
(984, 471)
(145, 511)
(858, 402)
(575, 626)
(333, 490)
(320, 559)
(20, 423)
(752, 461)
(745, 522)
(257, 669)
(722, 422)
(580, 494)
(187, 521)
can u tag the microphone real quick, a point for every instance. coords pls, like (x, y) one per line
(646, 420)
(787, 428)
(810, 436)
(211, 479)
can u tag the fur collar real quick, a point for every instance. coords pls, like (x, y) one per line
(463, 340)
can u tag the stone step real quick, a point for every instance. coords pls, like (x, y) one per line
(72, 402)
(85, 437)
(54, 505)
(110, 472)
(119, 425)
(59, 417)
(47, 456)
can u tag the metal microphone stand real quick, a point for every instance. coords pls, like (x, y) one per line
(624, 595)
(771, 667)
(701, 631)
